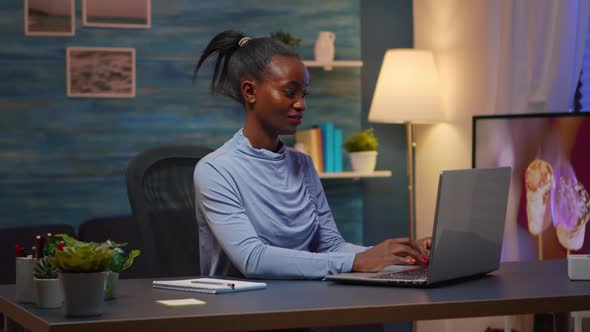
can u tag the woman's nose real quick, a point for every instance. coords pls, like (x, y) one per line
(300, 104)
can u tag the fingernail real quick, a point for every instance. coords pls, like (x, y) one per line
(412, 261)
(424, 258)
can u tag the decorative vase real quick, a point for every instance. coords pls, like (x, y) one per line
(83, 293)
(363, 161)
(110, 287)
(48, 293)
(324, 47)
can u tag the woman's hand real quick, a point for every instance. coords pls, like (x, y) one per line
(389, 252)
(425, 243)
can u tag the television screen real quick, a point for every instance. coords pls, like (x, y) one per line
(549, 206)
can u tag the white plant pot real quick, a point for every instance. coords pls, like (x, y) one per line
(83, 293)
(364, 161)
(49, 294)
(110, 287)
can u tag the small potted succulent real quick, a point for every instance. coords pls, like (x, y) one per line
(47, 287)
(118, 264)
(286, 38)
(83, 270)
(362, 149)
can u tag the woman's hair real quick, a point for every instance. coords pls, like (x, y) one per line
(239, 56)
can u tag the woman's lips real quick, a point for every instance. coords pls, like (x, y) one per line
(295, 119)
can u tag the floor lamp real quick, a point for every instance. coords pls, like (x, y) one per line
(407, 92)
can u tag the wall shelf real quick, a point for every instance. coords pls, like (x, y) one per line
(355, 175)
(330, 65)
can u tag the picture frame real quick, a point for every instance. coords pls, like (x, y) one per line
(49, 17)
(132, 14)
(100, 72)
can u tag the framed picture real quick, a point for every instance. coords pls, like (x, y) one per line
(49, 17)
(117, 13)
(106, 72)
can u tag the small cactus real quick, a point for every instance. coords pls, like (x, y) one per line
(44, 270)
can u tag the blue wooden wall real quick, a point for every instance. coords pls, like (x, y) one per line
(62, 160)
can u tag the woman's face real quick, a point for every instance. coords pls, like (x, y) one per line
(280, 96)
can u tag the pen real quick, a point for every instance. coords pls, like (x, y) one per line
(228, 284)
(38, 246)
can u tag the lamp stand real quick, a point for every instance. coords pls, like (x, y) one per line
(410, 161)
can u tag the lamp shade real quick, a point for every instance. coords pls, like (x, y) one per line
(407, 88)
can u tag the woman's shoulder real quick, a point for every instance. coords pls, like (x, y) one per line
(218, 158)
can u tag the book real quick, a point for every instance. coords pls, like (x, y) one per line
(208, 285)
(311, 139)
(338, 137)
(327, 130)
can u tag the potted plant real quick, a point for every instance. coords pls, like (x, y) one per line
(83, 270)
(362, 149)
(47, 287)
(286, 38)
(118, 264)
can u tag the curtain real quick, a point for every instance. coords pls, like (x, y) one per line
(536, 54)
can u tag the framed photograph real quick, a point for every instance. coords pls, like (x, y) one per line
(49, 17)
(117, 13)
(104, 72)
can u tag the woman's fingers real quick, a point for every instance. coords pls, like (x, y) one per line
(408, 252)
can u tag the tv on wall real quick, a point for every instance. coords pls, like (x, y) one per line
(549, 205)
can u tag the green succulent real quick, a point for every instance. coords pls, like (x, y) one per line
(83, 257)
(286, 38)
(362, 141)
(44, 269)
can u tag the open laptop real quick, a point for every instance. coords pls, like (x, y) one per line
(467, 234)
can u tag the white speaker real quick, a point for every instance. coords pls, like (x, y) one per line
(578, 267)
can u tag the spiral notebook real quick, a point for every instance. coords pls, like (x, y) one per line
(208, 285)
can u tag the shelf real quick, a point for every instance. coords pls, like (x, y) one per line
(355, 175)
(330, 65)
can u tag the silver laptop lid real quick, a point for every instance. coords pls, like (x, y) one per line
(468, 223)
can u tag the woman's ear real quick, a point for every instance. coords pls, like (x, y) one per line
(248, 88)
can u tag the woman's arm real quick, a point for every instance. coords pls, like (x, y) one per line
(328, 238)
(224, 213)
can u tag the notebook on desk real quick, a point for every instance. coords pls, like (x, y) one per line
(208, 285)
(467, 233)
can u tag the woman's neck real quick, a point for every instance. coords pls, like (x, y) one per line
(259, 138)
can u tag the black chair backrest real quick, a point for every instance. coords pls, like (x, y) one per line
(121, 229)
(162, 198)
(23, 236)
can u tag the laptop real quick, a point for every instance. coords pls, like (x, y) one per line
(467, 234)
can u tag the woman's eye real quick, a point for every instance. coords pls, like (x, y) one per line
(289, 93)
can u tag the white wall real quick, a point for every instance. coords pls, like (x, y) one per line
(455, 31)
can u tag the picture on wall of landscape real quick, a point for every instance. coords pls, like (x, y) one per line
(100, 72)
(116, 13)
(49, 17)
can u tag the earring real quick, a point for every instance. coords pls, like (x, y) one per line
(252, 100)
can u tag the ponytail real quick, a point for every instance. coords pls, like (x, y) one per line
(237, 56)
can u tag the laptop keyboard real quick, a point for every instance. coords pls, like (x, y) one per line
(404, 275)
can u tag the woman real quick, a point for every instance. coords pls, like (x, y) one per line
(261, 209)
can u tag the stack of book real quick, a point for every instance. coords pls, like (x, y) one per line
(323, 143)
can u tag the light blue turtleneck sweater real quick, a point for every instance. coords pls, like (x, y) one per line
(265, 215)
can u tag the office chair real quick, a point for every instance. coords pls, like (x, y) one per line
(121, 229)
(162, 198)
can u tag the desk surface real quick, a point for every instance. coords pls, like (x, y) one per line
(517, 288)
